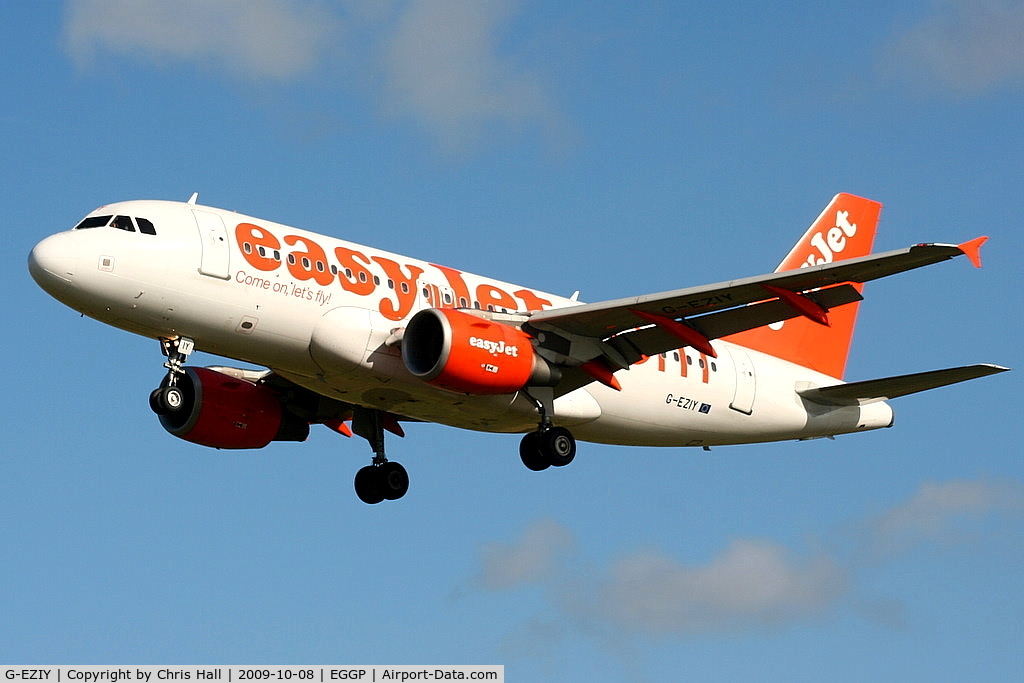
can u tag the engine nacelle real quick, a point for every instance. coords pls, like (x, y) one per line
(471, 355)
(224, 412)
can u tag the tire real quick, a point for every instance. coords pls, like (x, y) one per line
(530, 454)
(155, 404)
(166, 400)
(558, 446)
(366, 486)
(392, 480)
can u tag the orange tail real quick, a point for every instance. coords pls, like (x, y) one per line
(845, 229)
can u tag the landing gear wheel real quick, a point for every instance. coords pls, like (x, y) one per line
(557, 446)
(367, 485)
(530, 453)
(392, 480)
(154, 401)
(166, 400)
(383, 480)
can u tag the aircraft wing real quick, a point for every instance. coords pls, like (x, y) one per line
(871, 391)
(652, 339)
(621, 329)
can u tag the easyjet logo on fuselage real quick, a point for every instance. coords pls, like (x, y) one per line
(353, 270)
(832, 242)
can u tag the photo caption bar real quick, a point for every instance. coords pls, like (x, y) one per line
(247, 673)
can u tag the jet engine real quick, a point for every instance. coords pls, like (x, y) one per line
(469, 354)
(221, 411)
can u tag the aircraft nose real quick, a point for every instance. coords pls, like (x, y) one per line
(52, 262)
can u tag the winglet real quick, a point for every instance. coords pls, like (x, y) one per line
(972, 249)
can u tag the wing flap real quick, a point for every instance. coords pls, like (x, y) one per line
(871, 391)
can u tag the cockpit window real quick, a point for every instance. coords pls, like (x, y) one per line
(123, 223)
(126, 223)
(145, 226)
(93, 222)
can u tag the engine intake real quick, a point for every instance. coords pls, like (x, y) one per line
(468, 354)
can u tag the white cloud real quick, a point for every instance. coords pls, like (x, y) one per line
(443, 66)
(254, 39)
(966, 46)
(532, 558)
(750, 584)
(940, 512)
(753, 582)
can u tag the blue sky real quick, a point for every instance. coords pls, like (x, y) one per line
(610, 148)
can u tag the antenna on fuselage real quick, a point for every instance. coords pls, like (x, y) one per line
(193, 198)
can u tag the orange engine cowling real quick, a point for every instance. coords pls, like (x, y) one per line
(224, 412)
(471, 355)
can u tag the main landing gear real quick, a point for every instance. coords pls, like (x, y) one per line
(549, 445)
(168, 398)
(382, 479)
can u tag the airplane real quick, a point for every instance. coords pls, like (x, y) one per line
(352, 334)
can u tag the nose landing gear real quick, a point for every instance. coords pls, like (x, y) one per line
(168, 398)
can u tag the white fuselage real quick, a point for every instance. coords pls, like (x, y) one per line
(327, 314)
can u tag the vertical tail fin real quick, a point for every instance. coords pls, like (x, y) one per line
(845, 229)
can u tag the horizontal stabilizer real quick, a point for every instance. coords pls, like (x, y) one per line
(873, 390)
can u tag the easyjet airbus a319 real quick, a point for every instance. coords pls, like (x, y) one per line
(352, 334)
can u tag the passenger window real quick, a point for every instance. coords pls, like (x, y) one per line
(123, 223)
(146, 226)
(93, 222)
